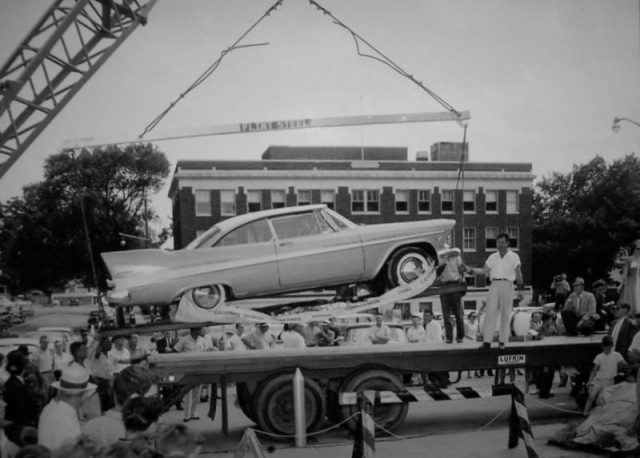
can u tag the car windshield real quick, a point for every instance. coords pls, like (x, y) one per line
(339, 221)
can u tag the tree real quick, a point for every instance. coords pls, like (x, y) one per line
(582, 218)
(101, 193)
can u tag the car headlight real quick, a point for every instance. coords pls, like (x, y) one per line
(207, 297)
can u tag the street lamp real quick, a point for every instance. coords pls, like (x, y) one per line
(616, 123)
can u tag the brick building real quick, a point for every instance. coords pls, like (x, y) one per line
(367, 185)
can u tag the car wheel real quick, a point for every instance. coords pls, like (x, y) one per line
(407, 264)
(208, 297)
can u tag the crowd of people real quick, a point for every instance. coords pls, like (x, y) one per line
(95, 398)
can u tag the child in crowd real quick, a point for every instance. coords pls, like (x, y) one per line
(604, 370)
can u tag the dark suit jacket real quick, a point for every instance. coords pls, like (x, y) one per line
(625, 336)
(20, 407)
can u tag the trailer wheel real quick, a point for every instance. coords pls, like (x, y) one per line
(407, 264)
(245, 400)
(273, 405)
(387, 416)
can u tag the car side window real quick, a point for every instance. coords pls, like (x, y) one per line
(298, 225)
(255, 232)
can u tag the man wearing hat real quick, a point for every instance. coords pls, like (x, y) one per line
(59, 419)
(450, 271)
(579, 311)
(416, 333)
(599, 289)
(260, 338)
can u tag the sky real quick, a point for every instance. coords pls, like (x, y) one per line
(542, 80)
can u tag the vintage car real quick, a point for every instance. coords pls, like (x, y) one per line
(273, 252)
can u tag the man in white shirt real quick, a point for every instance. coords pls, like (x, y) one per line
(189, 344)
(234, 339)
(61, 358)
(292, 336)
(416, 333)
(432, 328)
(43, 358)
(119, 356)
(379, 333)
(59, 422)
(503, 268)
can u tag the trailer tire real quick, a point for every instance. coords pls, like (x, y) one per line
(404, 264)
(387, 416)
(245, 400)
(273, 405)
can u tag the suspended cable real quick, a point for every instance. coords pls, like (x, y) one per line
(380, 57)
(212, 68)
(461, 179)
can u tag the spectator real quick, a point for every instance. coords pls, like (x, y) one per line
(471, 326)
(83, 447)
(622, 330)
(234, 340)
(206, 341)
(59, 420)
(33, 380)
(119, 356)
(605, 315)
(109, 428)
(21, 408)
(605, 368)
(503, 268)
(100, 367)
(433, 330)
(416, 333)
(78, 352)
(310, 333)
(140, 414)
(379, 333)
(631, 279)
(536, 323)
(579, 311)
(260, 338)
(451, 272)
(33, 451)
(292, 336)
(43, 358)
(165, 343)
(137, 353)
(561, 289)
(178, 441)
(61, 358)
(336, 330)
(326, 337)
(189, 344)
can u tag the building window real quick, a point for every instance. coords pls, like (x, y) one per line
(254, 201)
(424, 201)
(491, 201)
(447, 201)
(513, 203)
(424, 306)
(227, 203)
(277, 199)
(304, 197)
(203, 202)
(405, 310)
(469, 305)
(514, 237)
(469, 201)
(402, 204)
(471, 282)
(365, 201)
(469, 239)
(327, 197)
(491, 236)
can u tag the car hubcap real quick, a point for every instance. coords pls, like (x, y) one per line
(411, 267)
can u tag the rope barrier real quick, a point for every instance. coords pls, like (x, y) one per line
(315, 433)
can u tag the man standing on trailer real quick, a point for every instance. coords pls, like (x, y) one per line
(503, 268)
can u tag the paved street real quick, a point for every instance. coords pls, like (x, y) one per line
(476, 427)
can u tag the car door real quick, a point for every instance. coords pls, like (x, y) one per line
(312, 253)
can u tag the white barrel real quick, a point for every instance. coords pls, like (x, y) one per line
(520, 322)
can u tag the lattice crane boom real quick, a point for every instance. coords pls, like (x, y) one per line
(68, 44)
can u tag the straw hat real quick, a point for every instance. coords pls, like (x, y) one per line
(74, 380)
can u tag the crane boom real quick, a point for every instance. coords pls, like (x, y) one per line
(68, 44)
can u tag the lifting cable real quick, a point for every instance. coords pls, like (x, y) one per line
(380, 57)
(212, 68)
(459, 180)
(384, 59)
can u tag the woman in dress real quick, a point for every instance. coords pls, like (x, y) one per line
(630, 272)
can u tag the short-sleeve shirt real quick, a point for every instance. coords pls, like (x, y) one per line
(115, 355)
(292, 339)
(44, 360)
(382, 332)
(433, 332)
(416, 334)
(258, 340)
(503, 267)
(607, 365)
(187, 344)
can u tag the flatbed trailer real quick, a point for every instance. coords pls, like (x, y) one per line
(264, 378)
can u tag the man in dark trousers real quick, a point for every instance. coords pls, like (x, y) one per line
(622, 330)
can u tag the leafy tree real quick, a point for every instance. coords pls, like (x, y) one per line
(44, 243)
(582, 218)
